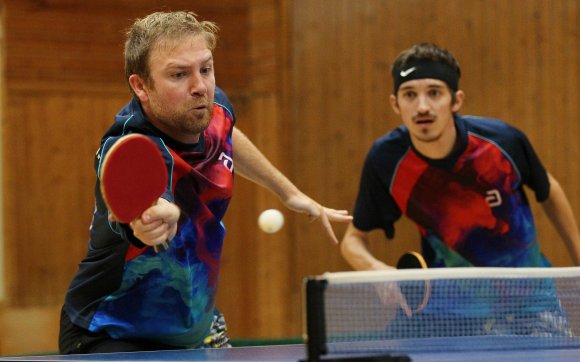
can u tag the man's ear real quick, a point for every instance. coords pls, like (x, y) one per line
(139, 87)
(459, 97)
(394, 104)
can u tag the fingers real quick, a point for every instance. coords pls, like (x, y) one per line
(405, 306)
(337, 215)
(303, 204)
(153, 233)
(327, 215)
(330, 214)
(390, 295)
(328, 228)
(163, 210)
(157, 224)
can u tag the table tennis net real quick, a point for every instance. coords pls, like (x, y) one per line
(466, 309)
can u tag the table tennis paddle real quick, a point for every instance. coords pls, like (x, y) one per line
(416, 294)
(133, 176)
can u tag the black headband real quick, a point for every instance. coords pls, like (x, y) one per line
(422, 69)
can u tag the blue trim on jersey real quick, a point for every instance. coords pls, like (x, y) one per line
(225, 108)
(127, 122)
(171, 166)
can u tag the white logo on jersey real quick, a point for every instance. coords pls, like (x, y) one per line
(493, 198)
(228, 161)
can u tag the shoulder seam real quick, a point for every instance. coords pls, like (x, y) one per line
(226, 108)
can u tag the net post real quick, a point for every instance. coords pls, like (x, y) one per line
(315, 321)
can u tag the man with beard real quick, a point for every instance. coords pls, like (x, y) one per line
(125, 296)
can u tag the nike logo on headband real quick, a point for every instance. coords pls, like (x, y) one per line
(405, 73)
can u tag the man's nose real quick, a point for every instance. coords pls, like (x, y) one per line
(198, 86)
(423, 105)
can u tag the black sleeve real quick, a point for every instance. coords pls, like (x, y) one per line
(375, 207)
(533, 173)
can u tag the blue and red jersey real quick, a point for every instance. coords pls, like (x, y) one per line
(125, 288)
(471, 208)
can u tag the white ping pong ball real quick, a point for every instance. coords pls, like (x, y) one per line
(271, 221)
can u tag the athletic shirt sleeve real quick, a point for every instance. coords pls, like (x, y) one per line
(222, 99)
(375, 208)
(534, 175)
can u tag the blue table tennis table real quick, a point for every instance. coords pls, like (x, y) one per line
(296, 352)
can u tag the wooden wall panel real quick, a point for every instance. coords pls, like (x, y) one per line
(254, 282)
(51, 182)
(28, 330)
(56, 43)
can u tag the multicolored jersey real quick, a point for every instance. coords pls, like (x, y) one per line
(470, 207)
(125, 288)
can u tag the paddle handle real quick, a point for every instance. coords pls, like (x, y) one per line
(161, 247)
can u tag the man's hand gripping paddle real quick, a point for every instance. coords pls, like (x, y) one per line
(133, 177)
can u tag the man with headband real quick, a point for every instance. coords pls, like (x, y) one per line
(459, 178)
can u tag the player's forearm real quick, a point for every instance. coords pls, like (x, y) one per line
(251, 164)
(354, 250)
(359, 258)
(560, 213)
